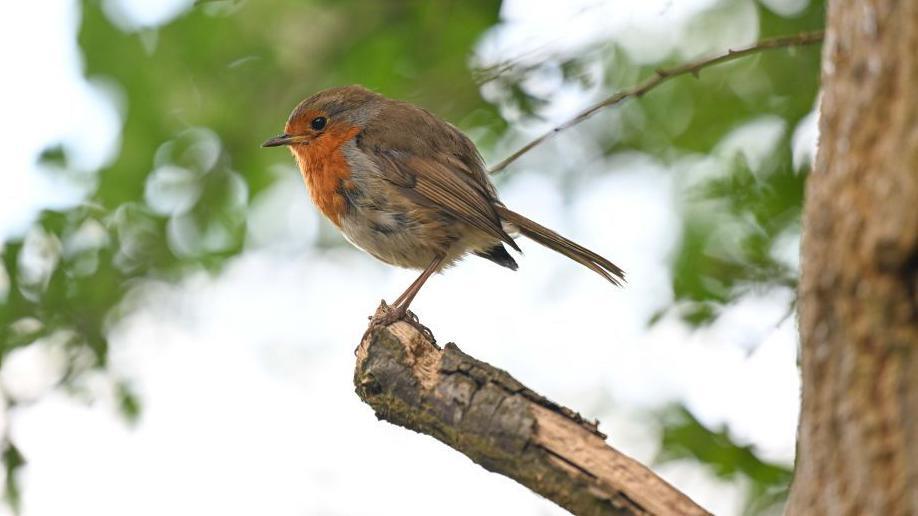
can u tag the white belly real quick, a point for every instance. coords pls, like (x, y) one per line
(389, 243)
(391, 240)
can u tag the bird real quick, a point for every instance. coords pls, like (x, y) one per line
(409, 188)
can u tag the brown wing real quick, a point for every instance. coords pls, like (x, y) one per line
(436, 162)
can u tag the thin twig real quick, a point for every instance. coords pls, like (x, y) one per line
(661, 76)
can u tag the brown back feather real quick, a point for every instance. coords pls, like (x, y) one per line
(417, 151)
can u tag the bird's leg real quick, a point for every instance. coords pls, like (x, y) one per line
(399, 308)
(402, 302)
(415, 286)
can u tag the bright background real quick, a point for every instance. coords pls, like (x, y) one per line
(178, 323)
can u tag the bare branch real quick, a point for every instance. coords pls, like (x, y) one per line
(505, 427)
(661, 76)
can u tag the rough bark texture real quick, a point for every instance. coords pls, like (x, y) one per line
(500, 424)
(858, 435)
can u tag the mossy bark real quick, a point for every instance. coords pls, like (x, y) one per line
(505, 427)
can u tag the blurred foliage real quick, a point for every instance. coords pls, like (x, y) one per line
(708, 272)
(684, 437)
(201, 92)
(200, 95)
(691, 116)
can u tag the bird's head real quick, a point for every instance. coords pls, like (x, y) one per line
(326, 117)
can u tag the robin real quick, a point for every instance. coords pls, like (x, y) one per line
(409, 188)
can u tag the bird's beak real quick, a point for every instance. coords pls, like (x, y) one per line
(278, 141)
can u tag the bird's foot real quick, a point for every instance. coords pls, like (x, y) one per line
(413, 320)
(386, 315)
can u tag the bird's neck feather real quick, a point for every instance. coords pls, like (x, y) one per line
(324, 169)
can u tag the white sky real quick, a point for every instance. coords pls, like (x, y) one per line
(245, 377)
(46, 100)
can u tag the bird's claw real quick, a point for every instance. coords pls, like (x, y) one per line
(389, 315)
(413, 320)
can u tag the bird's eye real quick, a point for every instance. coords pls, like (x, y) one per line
(318, 123)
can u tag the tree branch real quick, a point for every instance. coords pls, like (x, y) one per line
(661, 76)
(503, 426)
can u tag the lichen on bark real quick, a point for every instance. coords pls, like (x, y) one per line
(505, 427)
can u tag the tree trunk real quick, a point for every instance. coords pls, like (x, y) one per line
(858, 436)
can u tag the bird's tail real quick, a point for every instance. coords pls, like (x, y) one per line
(556, 242)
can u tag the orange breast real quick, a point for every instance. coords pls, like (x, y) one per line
(324, 168)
